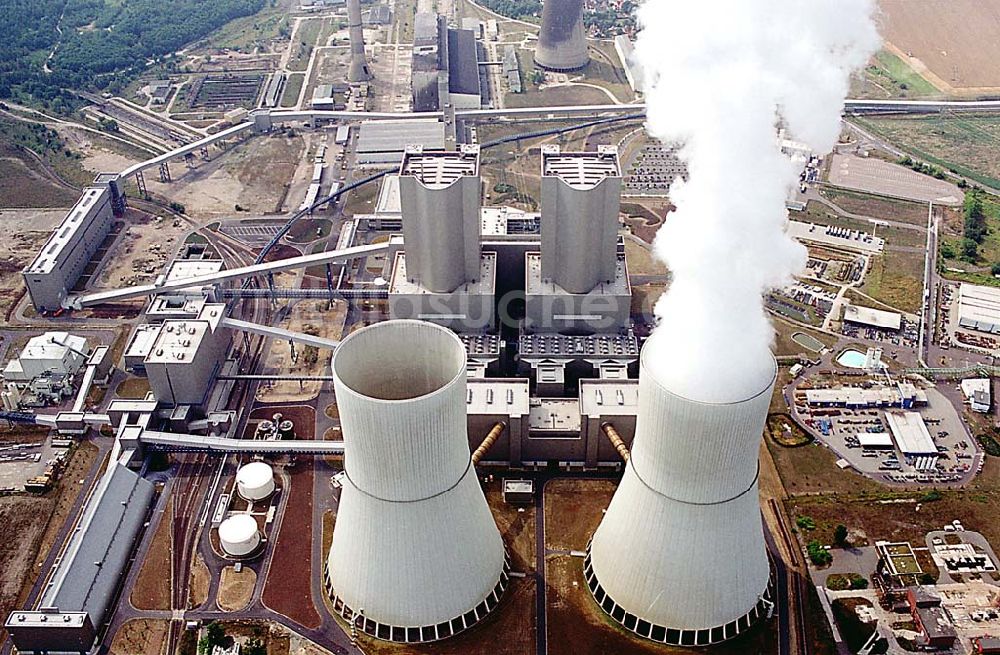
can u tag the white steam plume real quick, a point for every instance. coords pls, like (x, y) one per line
(719, 76)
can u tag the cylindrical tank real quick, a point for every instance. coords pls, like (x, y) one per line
(264, 430)
(239, 535)
(286, 430)
(562, 41)
(255, 481)
(679, 556)
(415, 546)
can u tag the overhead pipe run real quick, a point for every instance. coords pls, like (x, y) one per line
(616, 440)
(491, 438)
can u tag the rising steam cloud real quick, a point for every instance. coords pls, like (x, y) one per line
(720, 77)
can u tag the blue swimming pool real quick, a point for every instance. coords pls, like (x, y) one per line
(852, 359)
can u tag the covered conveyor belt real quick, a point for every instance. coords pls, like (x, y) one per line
(279, 333)
(187, 149)
(333, 256)
(197, 443)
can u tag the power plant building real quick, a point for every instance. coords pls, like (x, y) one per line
(579, 280)
(679, 556)
(442, 275)
(562, 41)
(186, 356)
(464, 83)
(61, 261)
(416, 555)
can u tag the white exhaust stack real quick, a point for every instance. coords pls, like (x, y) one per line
(415, 548)
(679, 556)
(358, 71)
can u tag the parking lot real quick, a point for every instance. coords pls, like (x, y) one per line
(883, 178)
(22, 461)
(250, 233)
(956, 450)
(656, 169)
(905, 337)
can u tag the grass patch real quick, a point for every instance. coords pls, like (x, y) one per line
(293, 87)
(245, 34)
(965, 144)
(897, 279)
(785, 432)
(908, 81)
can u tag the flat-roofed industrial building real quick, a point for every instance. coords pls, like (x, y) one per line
(875, 318)
(385, 142)
(910, 433)
(61, 261)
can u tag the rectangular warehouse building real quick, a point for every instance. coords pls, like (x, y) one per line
(910, 433)
(875, 318)
(56, 269)
(463, 70)
(979, 308)
(383, 142)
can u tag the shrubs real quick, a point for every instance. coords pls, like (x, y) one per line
(818, 554)
(842, 582)
(805, 523)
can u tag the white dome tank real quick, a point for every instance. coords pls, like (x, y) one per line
(239, 535)
(255, 481)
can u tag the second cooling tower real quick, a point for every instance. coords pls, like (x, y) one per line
(562, 41)
(679, 556)
(416, 555)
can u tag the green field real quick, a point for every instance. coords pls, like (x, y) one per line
(887, 76)
(293, 87)
(244, 34)
(305, 40)
(966, 144)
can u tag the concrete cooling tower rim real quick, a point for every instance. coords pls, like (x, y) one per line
(395, 326)
(753, 485)
(649, 371)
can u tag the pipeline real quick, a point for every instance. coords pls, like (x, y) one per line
(488, 442)
(616, 440)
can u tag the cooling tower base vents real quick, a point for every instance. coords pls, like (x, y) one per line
(674, 636)
(426, 633)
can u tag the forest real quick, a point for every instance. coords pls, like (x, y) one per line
(56, 45)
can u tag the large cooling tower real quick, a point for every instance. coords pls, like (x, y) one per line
(679, 556)
(358, 71)
(562, 42)
(415, 548)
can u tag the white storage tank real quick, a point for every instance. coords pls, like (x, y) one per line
(239, 535)
(255, 481)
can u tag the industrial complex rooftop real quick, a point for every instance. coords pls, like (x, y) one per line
(581, 170)
(437, 170)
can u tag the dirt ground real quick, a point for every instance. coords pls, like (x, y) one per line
(508, 630)
(141, 251)
(951, 42)
(140, 637)
(311, 317)
(576, 625)
(152, 587)
(236, 589)
(641, 260)
(22, 185)
(24, 519)
(287, 589)
(516, 527)
(200, 580)
(17, 250)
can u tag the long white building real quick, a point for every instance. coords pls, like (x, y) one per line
(415, 546)
(679, 557)
(59, 264)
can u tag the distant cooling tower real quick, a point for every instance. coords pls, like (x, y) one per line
(359, 65)
(679, 556)
(415, 549)
(562, 42)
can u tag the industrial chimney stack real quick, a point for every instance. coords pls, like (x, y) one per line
(359, 65)
(416, 555)
(679, 556)
(562, 41)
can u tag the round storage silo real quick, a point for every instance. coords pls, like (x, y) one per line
(255, 481)
(239, 535)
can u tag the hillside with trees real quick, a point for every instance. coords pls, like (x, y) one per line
(55, 45)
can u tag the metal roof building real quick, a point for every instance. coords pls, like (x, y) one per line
(910, 433)
(463, 69)
(86, 578)
(384, 142)
(979, 308)
(873, 317)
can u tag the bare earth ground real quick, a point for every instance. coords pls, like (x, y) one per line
(236, 589)
(17, 250)
(140, 637)
(309, 316)
(142, 250)
(516, 527)
(21, 185)
(954, 41)
(200, 580)
(152, 587)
